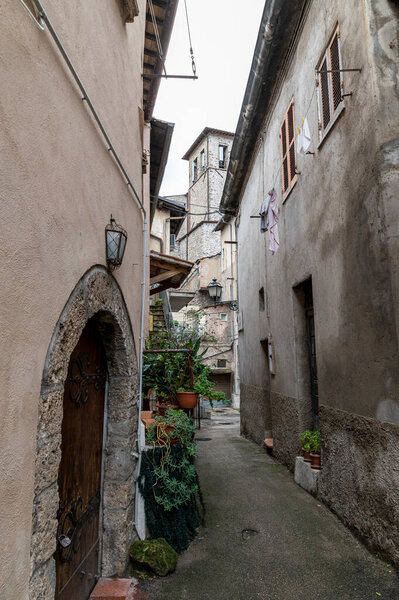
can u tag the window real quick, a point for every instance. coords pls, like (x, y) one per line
(288, 150)
(172, 242)
(261, 299)
(195, 169)
(330, 85)
(222, 363)
(223, 316)
(222, 156)
(202, 160)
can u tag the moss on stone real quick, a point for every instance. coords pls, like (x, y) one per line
(155, 554)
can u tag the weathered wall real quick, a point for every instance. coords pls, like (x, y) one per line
(202, 241)
(58, 187)
(338, 225)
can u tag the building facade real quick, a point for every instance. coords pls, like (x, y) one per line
(76, 126)
(318, 339)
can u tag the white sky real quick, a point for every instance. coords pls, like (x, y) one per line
(223, 34)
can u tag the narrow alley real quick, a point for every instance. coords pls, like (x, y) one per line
(264, 537)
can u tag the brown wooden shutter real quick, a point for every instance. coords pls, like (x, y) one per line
(288, 157)
(283, 135)
(291, 141)
(335, 77)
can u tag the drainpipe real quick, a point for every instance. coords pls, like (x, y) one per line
(44, 18)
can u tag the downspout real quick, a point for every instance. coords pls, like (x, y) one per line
(111, 149)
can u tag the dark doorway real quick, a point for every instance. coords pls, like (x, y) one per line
(311, 344)
(79, 480)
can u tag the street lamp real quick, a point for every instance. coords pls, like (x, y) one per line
(115, 244)
(215, 293)
(215, 289)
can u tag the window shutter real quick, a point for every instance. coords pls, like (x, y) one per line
(335, 77)
(325, 96)
(291, 140)
(283, 135)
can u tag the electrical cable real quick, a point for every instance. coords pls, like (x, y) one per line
(157, 36)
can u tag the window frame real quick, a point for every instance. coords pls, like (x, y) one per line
(223, 315)
(286, 155)
(334, 112)
(202, 161)
(222, 163)
(195, 169)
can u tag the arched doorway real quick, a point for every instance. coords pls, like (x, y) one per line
(79, 479)
(95, 314)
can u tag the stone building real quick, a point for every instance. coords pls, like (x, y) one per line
(79, 84)
(198, 239)
(319, 318)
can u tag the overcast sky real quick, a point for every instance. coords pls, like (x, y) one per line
(223, 34)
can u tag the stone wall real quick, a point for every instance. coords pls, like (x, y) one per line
(254, 411)
(97, 296)
(360, 479)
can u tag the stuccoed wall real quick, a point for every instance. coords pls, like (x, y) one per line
(58, 187)
(339, 225)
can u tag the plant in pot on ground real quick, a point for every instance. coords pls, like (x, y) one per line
(169, 482)
(315, 445)
(306, 439)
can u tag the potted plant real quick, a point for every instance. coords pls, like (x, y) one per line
(315, 446)
(306, 438)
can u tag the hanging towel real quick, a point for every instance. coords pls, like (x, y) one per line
(304, 138)
(272, 219)
(264, 212)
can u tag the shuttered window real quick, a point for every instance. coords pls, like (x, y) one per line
(330, 84)
(288, 150)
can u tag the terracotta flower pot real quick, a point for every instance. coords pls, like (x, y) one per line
(306, 455)
(315, 461)
(187, 399)
(162, 408)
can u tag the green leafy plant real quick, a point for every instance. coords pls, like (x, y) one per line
(306, 437)
(315, 443)
(175, 477)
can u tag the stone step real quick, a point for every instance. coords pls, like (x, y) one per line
(114, 589)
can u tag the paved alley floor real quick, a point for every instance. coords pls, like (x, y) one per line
(264, 537)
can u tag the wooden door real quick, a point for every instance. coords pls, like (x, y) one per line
(79, 479)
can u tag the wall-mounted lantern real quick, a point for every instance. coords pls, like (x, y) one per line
(115, 244)
(215, 292)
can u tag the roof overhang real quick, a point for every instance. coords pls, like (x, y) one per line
(167, 271)
(279, 26)
(202, 135)
(179, 300)
(161, 136)
(165, 12)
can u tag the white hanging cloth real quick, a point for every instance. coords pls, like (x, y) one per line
(304, 138)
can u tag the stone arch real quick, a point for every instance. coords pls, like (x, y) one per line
(98, 296)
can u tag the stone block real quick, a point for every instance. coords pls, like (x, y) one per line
(122, 422)
(44, 527)
(119, 495)
(99, 293)
(42, 583)
(119, 460)
(118, 535)
(50, 414)
(305, 476)
(48, 457)
(123, 391)
(65, 339)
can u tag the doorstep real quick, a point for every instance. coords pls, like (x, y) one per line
(114, 589)
(305, 476)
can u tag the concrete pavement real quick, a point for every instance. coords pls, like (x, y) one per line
(264, 537)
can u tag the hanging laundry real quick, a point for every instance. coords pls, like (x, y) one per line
(272, 219)
(264, 210)
(304, 139)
